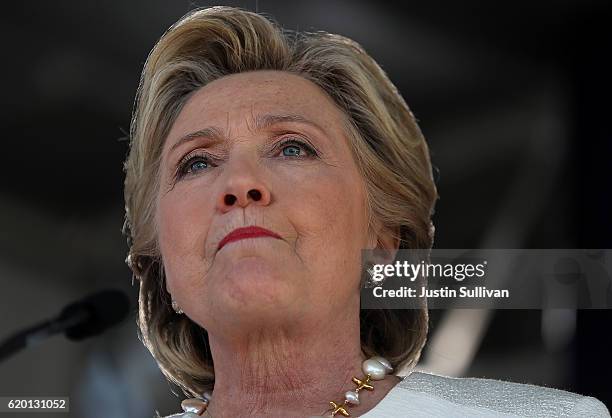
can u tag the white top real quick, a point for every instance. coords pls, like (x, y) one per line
(421, 395)
(429, 395)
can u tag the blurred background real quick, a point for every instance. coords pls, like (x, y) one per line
(513, 97)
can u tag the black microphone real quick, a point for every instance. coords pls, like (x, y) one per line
(87, 317)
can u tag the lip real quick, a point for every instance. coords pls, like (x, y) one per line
(247, 232)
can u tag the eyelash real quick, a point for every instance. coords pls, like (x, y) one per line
(185, 163)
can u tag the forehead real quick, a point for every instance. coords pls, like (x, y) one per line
(237, 98)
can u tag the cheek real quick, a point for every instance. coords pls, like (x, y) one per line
(331, 223)
(182, 222)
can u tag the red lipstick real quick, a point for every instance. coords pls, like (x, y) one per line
(248, 232)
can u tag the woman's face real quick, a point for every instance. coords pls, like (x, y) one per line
(263, 148)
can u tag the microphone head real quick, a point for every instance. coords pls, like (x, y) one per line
(102, 310)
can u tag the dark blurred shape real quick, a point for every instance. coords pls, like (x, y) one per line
(103, 310)
(79, 320)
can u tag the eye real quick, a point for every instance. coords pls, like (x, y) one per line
(295, 148)
(291, 150)
(193, 164)
(197, 166)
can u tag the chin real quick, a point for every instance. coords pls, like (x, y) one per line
(254, 283)
(255, 309)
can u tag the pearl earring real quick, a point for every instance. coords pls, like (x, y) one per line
(373, 278)
(176, 307)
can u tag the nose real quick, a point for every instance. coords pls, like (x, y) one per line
(243, 186)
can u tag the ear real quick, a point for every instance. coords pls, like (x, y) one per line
(386, 240)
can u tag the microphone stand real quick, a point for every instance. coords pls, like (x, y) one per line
(37, 333)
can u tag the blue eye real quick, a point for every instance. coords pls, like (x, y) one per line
(193, 165)
(291, 151)
(297, 149)
(197, 166)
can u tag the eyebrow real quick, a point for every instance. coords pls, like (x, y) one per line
(262, 122)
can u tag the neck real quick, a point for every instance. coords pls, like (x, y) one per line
(282, 372)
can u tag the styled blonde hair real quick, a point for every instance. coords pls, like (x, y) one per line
(386, 142)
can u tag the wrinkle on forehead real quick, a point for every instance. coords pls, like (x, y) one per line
(280, 92)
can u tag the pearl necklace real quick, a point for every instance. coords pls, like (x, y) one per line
(375, 368)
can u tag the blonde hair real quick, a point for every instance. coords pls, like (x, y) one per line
(390, 150)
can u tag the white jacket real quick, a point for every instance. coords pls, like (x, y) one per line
(430, 395)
